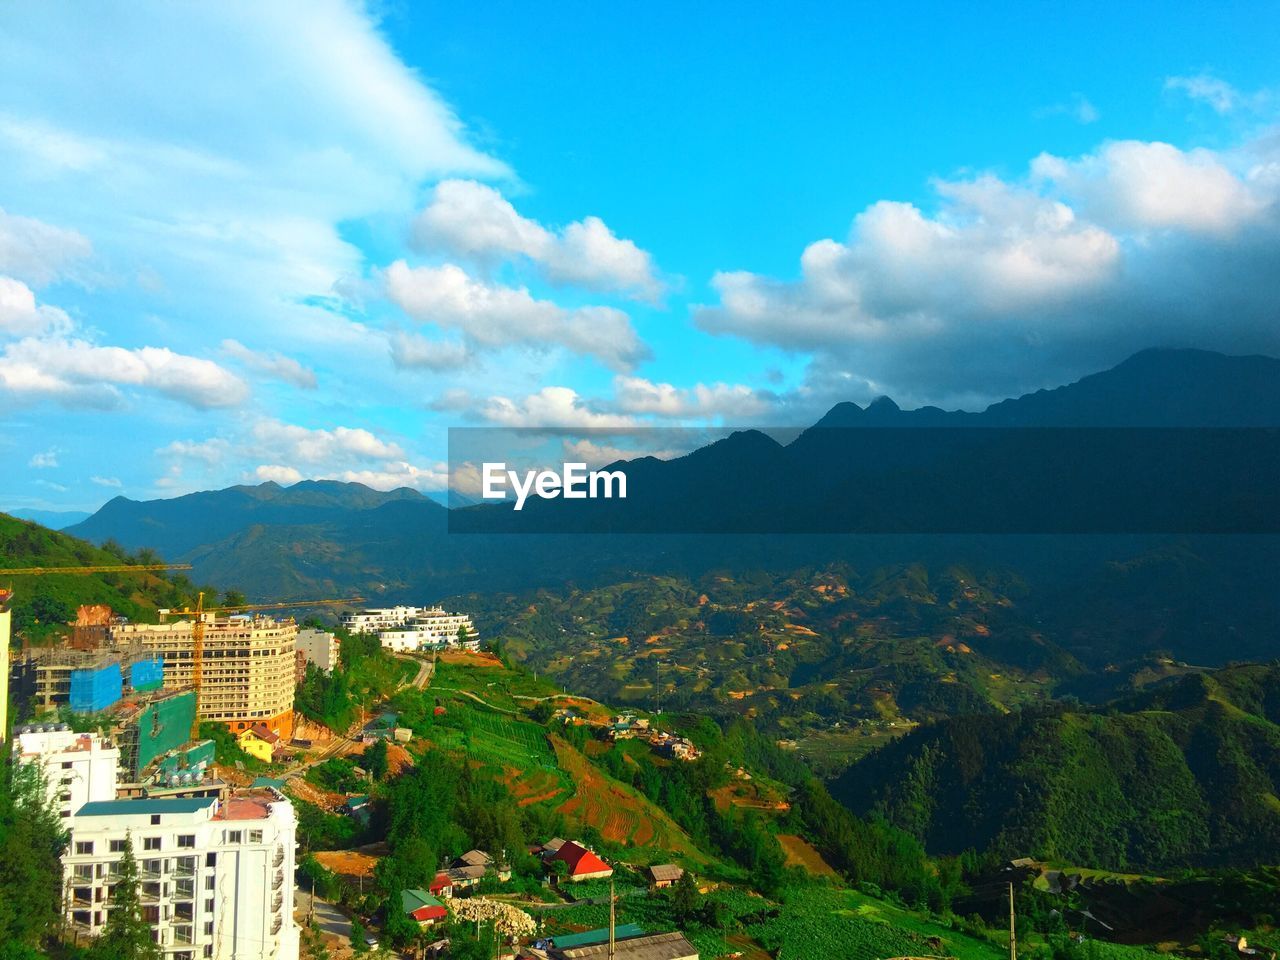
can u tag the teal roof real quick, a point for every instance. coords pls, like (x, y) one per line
(411, 900)
(268, 782)
(623, 931)
(119, 808)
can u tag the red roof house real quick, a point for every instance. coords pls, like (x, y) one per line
(582, 863)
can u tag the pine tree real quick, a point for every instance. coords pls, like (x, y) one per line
(31, 844)
(126, 935)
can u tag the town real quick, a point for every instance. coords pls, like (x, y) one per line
(129, 728)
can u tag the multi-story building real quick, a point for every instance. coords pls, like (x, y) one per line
(416, 628)
(5, 616)
(78, 768)
(319, 647)
(247, 666)
(380, 618)
(215, 877)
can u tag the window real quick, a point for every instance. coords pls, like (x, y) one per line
(208, 884)
(235, 836)
(208, 908)
(116, 846)
(155, 819)
(255, 836)
(66, 765)
(186, 840)
(151, 843)
(210, 859)
(208, 932)
(84, 847)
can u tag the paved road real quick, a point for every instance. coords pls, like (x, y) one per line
(330, 918)
(423, 676)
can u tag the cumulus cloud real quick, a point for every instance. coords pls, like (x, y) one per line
(271, 364)
(472, 220)
(1012, 285)
(294, 444)
(551, 407)
(44, 461)
(76, 372)
(1132, 185)
(636, 395)
(36, 252)
(491, 316)
(277, 473)
(21, 316)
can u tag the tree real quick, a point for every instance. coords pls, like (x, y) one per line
(126, 936)
(233, 598)
(685, 899)
(357, 936)
(374, 759)
(31, 845)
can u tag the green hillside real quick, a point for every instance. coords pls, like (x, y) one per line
(43, 605)
(1184, 775)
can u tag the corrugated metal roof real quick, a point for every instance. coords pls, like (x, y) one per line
(660, 946)
(118, 808)
(666, 871)
(567, 940)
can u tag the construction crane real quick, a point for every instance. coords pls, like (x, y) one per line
(197, 634)
(101, 568)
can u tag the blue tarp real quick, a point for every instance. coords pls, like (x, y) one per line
(95, 690)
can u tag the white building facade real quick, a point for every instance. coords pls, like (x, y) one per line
(78, 768)
(319, 647)
(406, 629)
(215, 877)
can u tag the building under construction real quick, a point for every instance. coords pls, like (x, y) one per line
(246, 667)
(84, 681)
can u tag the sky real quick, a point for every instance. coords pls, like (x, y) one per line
(243, 242)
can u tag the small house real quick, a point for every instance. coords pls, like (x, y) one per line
(664, 875)
(582, 863)
(423, 908)
(259, 741)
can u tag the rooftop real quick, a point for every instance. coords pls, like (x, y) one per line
(120, 808)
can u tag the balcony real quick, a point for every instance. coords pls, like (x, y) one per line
(276, 902)
(278, 880)
(279, 857)
(275, 927)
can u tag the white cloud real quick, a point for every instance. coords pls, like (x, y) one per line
(551, 407)
(1009, 286)
(595, 454)
(44, 461)
(75, 372)
(211, 452)
(112, 483)
(1134, 185)
(636, 395)
(271, 364)
(276, 473)
(493, 316)
(1206, 88)
(471, 220)
(21, 316)
(36, 252)
(295, 445)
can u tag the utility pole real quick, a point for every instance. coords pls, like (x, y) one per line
(613, 922)
(1013, 934)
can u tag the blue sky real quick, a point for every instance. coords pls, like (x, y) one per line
(241, 243)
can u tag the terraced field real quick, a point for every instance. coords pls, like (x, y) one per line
(620, 813)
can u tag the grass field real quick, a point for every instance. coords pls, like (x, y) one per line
(800, 853)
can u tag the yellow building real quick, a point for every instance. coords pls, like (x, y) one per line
(5, 617)
(247, 668)
(259, 741)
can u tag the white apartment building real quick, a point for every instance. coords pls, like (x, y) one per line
(319, 647)
(79, 768)
(380, 618)
(6, 617)
(215, 877)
